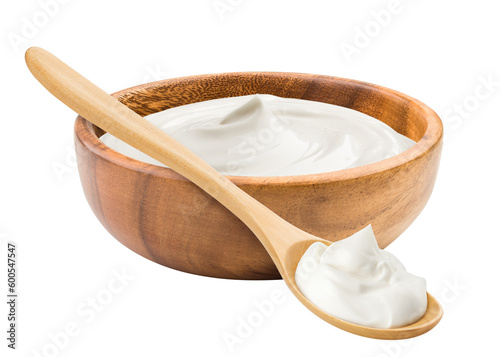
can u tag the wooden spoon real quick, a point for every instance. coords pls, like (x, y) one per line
(284, 242)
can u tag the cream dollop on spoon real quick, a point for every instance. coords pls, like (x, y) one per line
(284, 242)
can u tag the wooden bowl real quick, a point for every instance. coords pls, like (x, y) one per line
(164, 217)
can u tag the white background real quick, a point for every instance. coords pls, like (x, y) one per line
(437, 52)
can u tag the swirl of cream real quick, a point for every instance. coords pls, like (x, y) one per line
(265, 135)
(354, 280)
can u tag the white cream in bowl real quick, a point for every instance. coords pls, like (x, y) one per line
(265, 135)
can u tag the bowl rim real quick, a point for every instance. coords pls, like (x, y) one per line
(84, 132)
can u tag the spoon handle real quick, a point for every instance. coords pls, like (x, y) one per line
(109, 114)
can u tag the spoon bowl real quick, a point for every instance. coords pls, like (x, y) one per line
(431, 318)
(284, 242)
(287, 244)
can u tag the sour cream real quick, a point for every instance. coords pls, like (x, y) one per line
(265, 135)
(354, 280)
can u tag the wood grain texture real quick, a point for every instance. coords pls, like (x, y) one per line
(167, 219)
